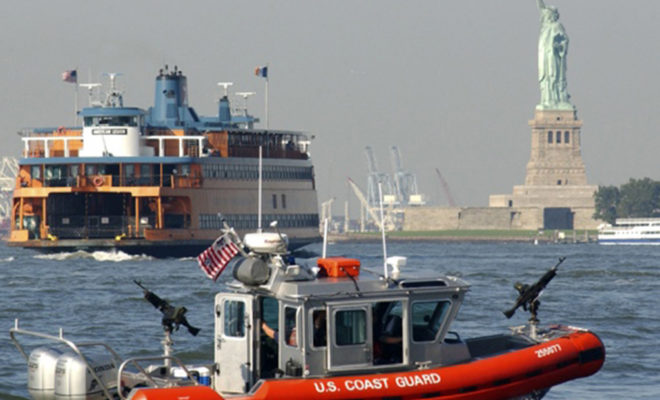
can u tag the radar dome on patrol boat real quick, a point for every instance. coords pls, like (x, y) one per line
(266, 242)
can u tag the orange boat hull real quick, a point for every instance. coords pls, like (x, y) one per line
(541, 366)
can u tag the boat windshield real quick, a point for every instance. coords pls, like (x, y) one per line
(116, 120)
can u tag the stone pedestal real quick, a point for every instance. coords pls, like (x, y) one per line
(556, 180)
(556, 157)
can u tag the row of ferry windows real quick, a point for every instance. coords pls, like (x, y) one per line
(557, 137)
(249, 221)
(251, 172)
(350, 325)
(117, 120)
(130, 170)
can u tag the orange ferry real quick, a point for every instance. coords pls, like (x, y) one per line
(154, 181)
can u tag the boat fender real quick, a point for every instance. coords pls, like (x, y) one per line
(97, 180)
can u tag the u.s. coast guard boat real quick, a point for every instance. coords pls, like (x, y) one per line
(333, 331)
(153, 181)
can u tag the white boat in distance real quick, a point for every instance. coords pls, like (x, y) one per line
(630, 231)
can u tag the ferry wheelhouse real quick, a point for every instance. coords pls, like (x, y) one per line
(154, 181)
(631, 231)
(333, 331)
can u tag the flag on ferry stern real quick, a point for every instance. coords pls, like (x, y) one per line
(214, 259)
(261, 71)
(70, 76)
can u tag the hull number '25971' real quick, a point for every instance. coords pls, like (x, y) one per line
(546, 351)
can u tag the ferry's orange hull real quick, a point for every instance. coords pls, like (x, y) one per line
(576, 355)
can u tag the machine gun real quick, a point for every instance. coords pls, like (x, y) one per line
(528, 295)
(173, 317)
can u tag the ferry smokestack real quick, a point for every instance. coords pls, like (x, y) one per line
(170, 96)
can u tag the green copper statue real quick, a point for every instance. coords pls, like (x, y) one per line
(553, 47)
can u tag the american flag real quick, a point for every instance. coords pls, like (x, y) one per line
(214, 259)
(70, 76)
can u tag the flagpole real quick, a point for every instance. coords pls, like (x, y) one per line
(259, 194)
(266, 102)
(75, 104)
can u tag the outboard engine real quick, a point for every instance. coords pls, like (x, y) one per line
(73, 381)
(41, 373)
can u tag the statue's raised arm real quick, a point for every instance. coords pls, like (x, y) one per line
(540, 4)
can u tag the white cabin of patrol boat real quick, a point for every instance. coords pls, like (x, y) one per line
(113, 131)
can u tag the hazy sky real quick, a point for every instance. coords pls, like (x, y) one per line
(452, 83)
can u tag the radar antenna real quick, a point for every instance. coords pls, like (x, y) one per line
(225, 85)
(114, 97)
(245, 96)
(90, 91)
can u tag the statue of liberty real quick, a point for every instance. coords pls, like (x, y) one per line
(553, 47)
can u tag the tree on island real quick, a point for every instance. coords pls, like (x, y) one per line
(639, 198)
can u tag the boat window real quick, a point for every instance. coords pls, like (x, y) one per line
(35, 172)
(388, 332)
(427, 318)
(90, 169)
(351, 327)
(290, 326)
(234, 318)
(320, 328)
(117, 120)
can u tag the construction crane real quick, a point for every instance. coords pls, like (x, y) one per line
(326, 210)
(8, 173)
(374, 178)
(389, 225)
(405, 183)
(445, 188)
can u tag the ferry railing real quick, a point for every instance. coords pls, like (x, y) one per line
(73, 346)
(106, 180)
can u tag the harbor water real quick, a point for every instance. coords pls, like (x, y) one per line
(612, 290)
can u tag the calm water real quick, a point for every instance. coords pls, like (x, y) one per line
(611, 290)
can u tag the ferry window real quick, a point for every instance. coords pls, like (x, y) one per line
(549, 136)
(351, 327)
(290, 326)
(274, 201)
(234, 319)
(427, 318)
(118, 120)
(90, 169)
(558, 137)
(319, 328)
(283, 200)
(185, 169)
(567, 137)
(35, 172)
